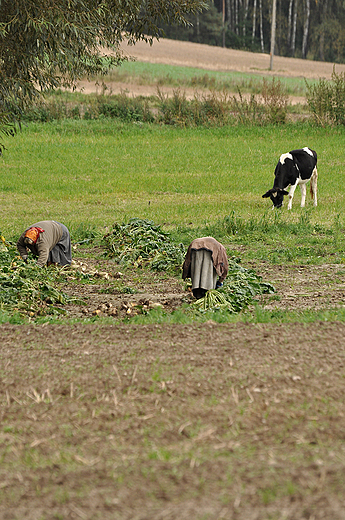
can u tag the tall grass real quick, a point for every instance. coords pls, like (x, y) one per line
(96, 172)
(206, 108)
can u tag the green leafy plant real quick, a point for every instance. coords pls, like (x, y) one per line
(326, 100)
(238, 291)
(141, 243)
(213, 300)
(27, 288)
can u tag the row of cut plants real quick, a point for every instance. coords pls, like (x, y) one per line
(143, 244)
(31, 291)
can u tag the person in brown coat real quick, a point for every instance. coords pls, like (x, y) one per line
(47, 240)
(205, 260)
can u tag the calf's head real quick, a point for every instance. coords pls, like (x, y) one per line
(276, 195)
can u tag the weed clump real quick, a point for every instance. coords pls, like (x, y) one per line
(126, 109)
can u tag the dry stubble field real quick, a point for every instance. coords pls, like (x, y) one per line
(204, 421)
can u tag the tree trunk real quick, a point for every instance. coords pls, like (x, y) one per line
(261, 28)
(228, 5)
(289, 23)
(254, 21)
(223, 19)
(294, 25)
(236, 16)
(273, 32)
(306, 29)
(245, 17)
(322, 35)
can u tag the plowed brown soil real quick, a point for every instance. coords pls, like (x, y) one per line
(172, 422)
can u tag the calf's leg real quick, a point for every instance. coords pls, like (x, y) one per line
(291, 194)
(313, 186)
(304, 192)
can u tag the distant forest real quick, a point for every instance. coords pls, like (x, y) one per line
(311, 29)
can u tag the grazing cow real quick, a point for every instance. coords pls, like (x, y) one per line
(293, 168)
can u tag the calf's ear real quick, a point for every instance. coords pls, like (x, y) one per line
(267, 194)
(284, 192)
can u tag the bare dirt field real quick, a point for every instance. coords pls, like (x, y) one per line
(177, 422)
(208, 57)
(172, 422)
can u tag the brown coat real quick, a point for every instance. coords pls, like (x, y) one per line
(219, 257)
(45, 242)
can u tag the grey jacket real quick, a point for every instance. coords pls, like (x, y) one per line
(45, 242)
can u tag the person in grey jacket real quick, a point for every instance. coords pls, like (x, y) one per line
(205, 261)
(47, 240)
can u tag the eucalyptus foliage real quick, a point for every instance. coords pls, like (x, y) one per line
(45, 44)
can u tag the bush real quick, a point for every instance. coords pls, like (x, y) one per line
(176, 110)
(211, 109)
(326, 100)
(246, 110)
(275, 99)
(126, 109)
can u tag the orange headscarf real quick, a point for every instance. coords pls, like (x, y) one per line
(34, 233)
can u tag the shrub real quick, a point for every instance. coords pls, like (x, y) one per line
(326, 100)
(211, 109)
(125, 108)
(274, 99)
(175, 110)
(245, 110)
(214, 108)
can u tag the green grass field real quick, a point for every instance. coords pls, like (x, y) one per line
(92, 173)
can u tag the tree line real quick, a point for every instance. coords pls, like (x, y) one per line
(311, 29)
(47, 44)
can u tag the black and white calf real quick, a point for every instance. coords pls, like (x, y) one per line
(293, 169)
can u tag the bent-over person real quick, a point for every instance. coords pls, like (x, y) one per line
(47, 240)
(205, 261)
